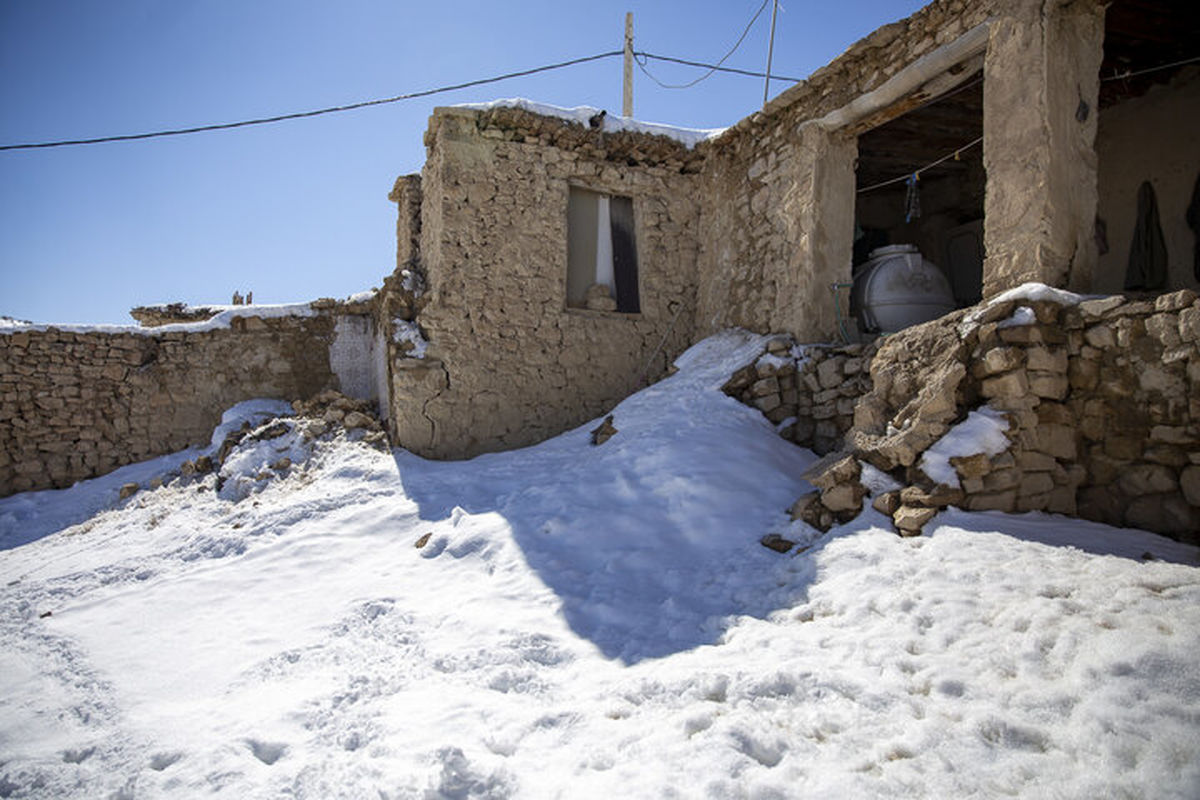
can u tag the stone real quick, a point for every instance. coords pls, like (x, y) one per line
(203, 464)
(1189, 484)
(809, 510)
(974, 466)
(1100, 306)
(604, 431)
(1174, 301)
(909, 520)
(833, 469)
(281, 464)
(1189, 324)
(1051, 385)
(844, 497)
(1010, 384)
(992, 501)
(1033, 461)
(357, 419)
(998, 360)
(1164, 513)
(1054, 440)
(1100, 336)
(773, 541)
(887, 503)
(938, 497)
(128, 490)
(1045, 359)
(828, 373)
(1143, 479)
(1035, 483)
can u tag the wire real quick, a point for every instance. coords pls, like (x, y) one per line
(917, 172)
(318, 112)
(734, 70)
(713, 68)
(1122, 76)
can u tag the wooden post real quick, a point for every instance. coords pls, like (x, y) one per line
(770, 52)
(627, 99)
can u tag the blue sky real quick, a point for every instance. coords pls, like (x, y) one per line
(298, 210)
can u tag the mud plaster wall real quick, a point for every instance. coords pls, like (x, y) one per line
(1153, 138)
(508, 364)
(75, 405)
(779, 223)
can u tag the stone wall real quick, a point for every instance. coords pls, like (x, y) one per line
(508, 364)
(808, 392)
(76, 402)
(778, 229)
(1100, 398)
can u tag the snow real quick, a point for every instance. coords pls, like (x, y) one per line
(222, 319)
(1023, 315)
(981, 432)
(1032, 292)
(690, 137)
(582, 621)
(405, 331)
(1040, 292)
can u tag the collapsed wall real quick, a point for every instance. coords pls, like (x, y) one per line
(79, 401)
(1098, 402)
(494, 355)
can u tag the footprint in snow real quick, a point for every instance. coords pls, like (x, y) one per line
(77, 756)
(160, 761)
(267, 752)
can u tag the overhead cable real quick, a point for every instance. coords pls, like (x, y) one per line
(644, 55)
(318, 112)
(713, 68)
(1120, 76)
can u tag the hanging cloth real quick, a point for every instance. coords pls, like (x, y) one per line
(1148, 252)
(912, 198)
(1193, 221)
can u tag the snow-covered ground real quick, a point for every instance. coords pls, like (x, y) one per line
(580, 622)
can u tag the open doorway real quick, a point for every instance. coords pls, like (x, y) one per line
(920, 181)
(1146, 148)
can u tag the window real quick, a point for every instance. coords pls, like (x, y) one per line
(602, 272)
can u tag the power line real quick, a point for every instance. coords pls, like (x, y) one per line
(318, 112)
(713, 68)
(734, 70)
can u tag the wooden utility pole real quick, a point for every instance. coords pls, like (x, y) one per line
(627, 98)
(770, 52)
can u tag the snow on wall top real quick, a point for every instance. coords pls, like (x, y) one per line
(223, 319)
(689, 137)
(223, 316)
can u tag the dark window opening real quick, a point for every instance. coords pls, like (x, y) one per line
(602, 268)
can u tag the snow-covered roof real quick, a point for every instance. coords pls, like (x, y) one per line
(689, 137)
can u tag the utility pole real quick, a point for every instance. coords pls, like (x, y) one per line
(627, 98)
(770, 52)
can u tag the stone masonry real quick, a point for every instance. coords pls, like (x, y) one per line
(1102, 400)
(77, 403)
(508, 363)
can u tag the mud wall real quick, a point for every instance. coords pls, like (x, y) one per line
(508, 363)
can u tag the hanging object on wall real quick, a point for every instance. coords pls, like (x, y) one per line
(912, 198)
(1148, 252)
(1193, 221)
